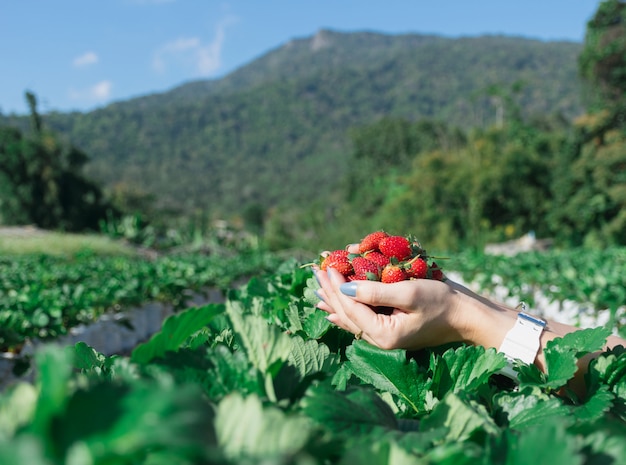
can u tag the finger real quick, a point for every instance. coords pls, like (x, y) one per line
(330, 282)
(397, 295)
(352, 248)
(355, 315)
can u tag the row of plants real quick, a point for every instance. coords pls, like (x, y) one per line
(595, 277)
(43, 296)
(265, 378)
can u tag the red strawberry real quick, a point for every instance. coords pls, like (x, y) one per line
(395, 246)
(435, 272)
(338, 259)
(393, 274)
(371, 241)
(365, 269)
(378, 258)
(417, 268)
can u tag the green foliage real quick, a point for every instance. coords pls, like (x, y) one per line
(43, 296)
(603, 59)
(240, 384)
(276, 132)
(42, 182)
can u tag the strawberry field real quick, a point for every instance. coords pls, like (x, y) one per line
(262, 377)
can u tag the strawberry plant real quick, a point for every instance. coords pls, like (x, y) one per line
(262, 378)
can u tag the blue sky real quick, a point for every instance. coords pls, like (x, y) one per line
(84, 54)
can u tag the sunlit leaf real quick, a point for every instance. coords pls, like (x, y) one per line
(176, 330)
(247, 429)
(264, 344)
(387, 370)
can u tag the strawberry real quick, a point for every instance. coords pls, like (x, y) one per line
(371, 241)
(393, 274)
(417, 268)
(397, 247)
(378, 258)
(435, 272)
(338, 259)
(365, 269)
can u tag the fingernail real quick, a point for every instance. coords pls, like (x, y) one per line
(349, 246)
(348, 289)
(316, 278)
(318, 296)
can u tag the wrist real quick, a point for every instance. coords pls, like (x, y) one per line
(480, 321)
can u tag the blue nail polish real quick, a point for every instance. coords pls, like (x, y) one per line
(318, 296)
(348, 289)
(316, 278)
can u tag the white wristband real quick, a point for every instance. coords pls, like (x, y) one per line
(522, 342)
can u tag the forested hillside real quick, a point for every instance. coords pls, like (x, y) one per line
(278, 130)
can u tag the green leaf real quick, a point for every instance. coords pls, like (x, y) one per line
(462, 417)
(176, 330)
(560, 366)
(24, 450)
(562, 354)
(377, 452)
(353, 412)
(526, 410)
(545, 443)
(308, 294)
(54, 369)
(264, 344)
(17, 406)
(109, 421)
(388, 370)
(342, 376)
(310, 357)
(464, 368)
(315, 324)
(583, 341)
(595, 405)
(246, 429)
(86, 357)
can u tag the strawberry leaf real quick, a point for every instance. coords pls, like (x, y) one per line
(464, 368)
(526, 409)
(355, 411)
(388, 370)
(247, 430)
(583, 341)
(595, 406)
(562, 354)
(175, 331)
(310, 357)
(461, 415)
(546, 442)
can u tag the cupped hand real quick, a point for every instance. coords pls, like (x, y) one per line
(424, 312)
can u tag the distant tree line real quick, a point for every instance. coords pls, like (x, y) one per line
(41, 180)
(454, 186)
(461, 188)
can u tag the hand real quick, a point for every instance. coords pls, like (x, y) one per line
(424, 313)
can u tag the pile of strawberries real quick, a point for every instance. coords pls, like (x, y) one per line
(386, 258)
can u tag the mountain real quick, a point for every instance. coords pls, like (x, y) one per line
(276, 131)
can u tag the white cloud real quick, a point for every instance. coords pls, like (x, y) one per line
(190, 52)
(86, 59)
(99, 92)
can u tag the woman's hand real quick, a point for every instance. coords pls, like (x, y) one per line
(424, 312)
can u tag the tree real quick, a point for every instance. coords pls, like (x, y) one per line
(591, 197)
(42, 182)
(602, 63)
